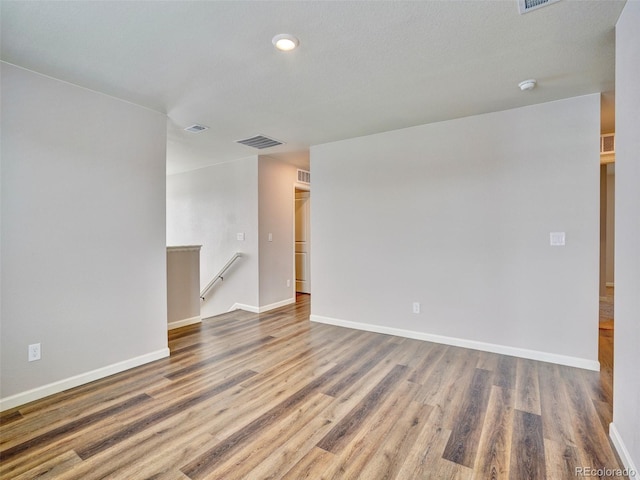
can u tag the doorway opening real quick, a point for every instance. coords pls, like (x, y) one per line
(607, 253)
(302, 240)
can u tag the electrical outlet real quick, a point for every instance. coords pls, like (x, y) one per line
(416, 307)
(34, 352)
(288, 283)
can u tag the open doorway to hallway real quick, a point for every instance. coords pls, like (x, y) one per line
(607, 253)
(606, 280)
(302, 243)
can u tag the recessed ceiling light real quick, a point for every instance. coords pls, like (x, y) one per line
(527, 85)
(285, 42)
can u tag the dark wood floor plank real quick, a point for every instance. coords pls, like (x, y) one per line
(590, 437)
(506, 372)
(463, 442)
(242, 406)
(428, 363)
(10, 416)
(357, 451)
(251, 460)
(527, 388)
(70, 428)
(385, 461)
(439, 390)
(421, 458)
(556, 416)
(374, 358)
(604, 413)
(156, 417)
(488, 361)
(142, 455)
(598, 384)
(203, 464)
(412, 352)
(341, 433)
(52, 469)
(198, 366)
(494, 449)
(311, 467)
(527, 447)
(561, 461)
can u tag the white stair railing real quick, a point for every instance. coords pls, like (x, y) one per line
(220, 274)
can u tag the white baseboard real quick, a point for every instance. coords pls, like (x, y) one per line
(67, 383)
(264, 308)
(621, 448)
(279, 304)
(242, 306)
(184, 322)
(461, 342)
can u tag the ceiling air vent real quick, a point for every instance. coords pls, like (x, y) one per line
(260, 142)
(196, 128)
(607, 143)
(526, 6)
(304, 176)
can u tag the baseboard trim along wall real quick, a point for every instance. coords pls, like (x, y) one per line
(265, 308)
(83, 378)
(461, 342)
(242, 306)
(184, 322)
(623, 453)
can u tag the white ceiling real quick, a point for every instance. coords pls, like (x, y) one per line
(362, 67)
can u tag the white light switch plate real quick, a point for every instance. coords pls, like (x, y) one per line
(240, 236)
(557, 239)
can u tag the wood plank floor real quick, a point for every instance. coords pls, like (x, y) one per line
(273, 396)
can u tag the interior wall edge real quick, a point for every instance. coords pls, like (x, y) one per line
(621, 449)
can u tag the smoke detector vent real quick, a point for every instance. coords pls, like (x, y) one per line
(304, 176)
(196, 128)
(526, 6)
(260, 142)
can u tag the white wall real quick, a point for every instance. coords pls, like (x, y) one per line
(83, 235)
(209, 207)
(626, 396)
(456, 215)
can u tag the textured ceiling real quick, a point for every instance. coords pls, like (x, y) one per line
(361, 67)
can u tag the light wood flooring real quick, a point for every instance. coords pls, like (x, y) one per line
(273, 396)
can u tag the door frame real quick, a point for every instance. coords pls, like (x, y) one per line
(304, 188)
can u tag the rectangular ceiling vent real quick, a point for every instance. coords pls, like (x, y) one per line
(526, 6)
(607, 143)
(196, 128)
(260, 142)
(304, 176)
